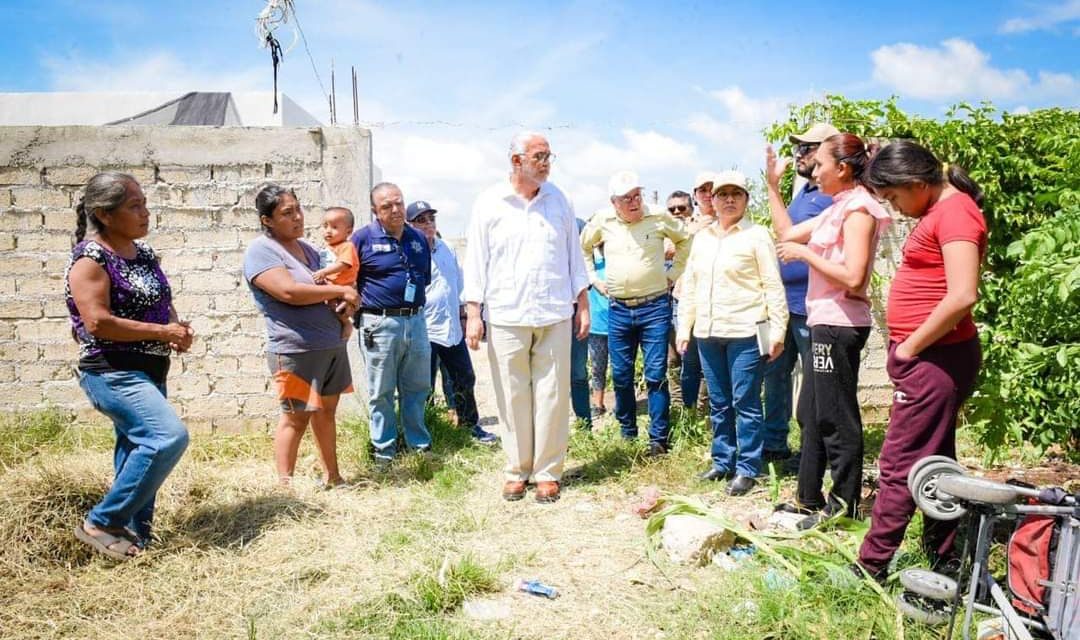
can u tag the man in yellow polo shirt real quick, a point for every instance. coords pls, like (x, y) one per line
(639, 287)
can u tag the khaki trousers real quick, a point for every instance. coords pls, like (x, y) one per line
(530, 370)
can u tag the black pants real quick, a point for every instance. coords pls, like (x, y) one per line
(828, 414)
(462, 379)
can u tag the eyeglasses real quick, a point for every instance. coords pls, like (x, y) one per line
(629, 199)
(427, 218)
(543, 157)
(679, 208)
(804, 149)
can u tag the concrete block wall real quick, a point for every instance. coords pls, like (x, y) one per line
(200, 184)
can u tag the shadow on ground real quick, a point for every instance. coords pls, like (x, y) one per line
(237, 523)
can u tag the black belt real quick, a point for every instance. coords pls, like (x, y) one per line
(395, 311)
(640, 300)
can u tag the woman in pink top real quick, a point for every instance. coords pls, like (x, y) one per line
(839, 246)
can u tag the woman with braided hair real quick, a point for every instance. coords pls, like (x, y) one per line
(122, 316)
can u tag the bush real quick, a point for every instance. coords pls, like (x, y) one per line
(1030, 390)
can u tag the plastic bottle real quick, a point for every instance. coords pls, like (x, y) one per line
(537, 588)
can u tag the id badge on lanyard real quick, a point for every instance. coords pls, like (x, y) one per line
(410, 292)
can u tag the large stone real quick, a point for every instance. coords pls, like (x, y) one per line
(694, 540)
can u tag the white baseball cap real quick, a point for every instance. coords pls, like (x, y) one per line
(623, 182)
(703, 178)
(730, 178)
(816, 134)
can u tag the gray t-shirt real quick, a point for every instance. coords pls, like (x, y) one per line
(290, 328)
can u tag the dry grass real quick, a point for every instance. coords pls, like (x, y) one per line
(390, 557)
(240, 558)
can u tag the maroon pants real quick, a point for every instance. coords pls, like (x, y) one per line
(929, 390)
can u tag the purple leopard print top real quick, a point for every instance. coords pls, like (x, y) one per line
(138, 290)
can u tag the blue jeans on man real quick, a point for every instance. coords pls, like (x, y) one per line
(150, 438)
(778, 404)
(397, 360)
(733, 370)
(689, 365)
(646, 325)
(579, 380)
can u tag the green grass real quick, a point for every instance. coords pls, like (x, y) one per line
(26, 435)
(795, 585)
(420, 612)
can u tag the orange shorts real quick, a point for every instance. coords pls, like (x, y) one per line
(303, 379)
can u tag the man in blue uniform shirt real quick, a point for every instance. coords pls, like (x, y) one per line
(395, 268)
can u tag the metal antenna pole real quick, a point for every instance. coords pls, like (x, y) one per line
(333, 95)
(355, 100)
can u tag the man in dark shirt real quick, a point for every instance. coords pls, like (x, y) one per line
(395, 268)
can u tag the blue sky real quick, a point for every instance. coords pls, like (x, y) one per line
(663, 88)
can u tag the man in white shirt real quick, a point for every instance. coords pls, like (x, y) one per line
(524, 263)
(444, 313)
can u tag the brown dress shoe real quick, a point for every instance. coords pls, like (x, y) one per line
(547, 491)
(513, 490)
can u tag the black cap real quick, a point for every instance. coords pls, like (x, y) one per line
(418, 208)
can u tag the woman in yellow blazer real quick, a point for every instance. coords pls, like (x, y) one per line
(732, 300)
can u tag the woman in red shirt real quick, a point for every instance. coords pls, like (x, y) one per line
(934, 353)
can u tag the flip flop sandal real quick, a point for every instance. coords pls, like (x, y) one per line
(106, 543)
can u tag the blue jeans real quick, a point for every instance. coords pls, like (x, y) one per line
(778, 384)
(459, 376)
(689, 367)
(733, 369)
(149, 442)
(579, 379)
(399, 359)
(648, 326)
(690, 375)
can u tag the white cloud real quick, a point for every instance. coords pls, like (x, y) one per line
(161, 71)
(744, 110)
(734, 132)
(585, 163)
(1045, 17)
(642, 151)
(959, 69)
(448, 169)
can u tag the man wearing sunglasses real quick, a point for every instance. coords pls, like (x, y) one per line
(638, 284)
(444, 313)
(681, 206)
(808, 202)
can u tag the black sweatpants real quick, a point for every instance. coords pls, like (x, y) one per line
(828, 414)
